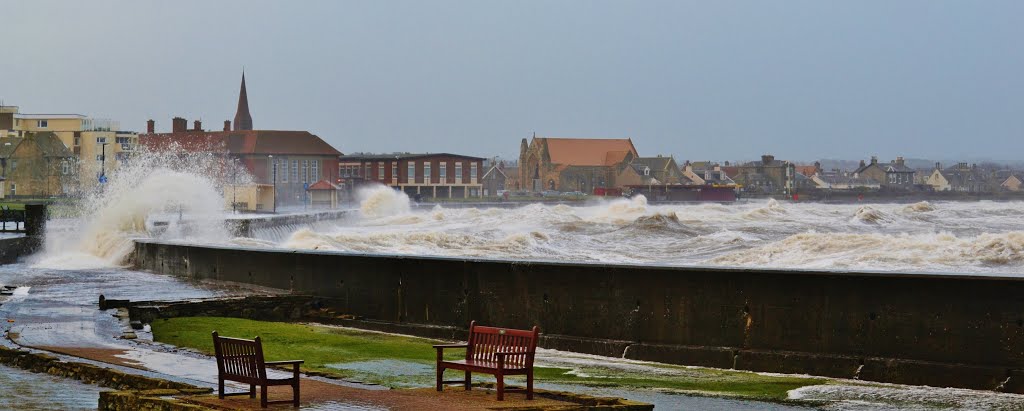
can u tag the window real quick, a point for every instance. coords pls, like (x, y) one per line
(458, 172)
(78, 141)
(314, 174)
(368, 170)
(426, 173)
(101, 140)
(123, 140)
(647, 172)
(472, 172)
(284, 171)
(40, 124)
(380, 171)
(444, 172)
(65, 168)
(305, 171)
(99, 157)
(295, 170)
(412, 173)
(14, 166)
(394, 171)
(14, 189)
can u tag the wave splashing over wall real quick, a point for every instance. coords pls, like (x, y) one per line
(382, 201)
(170, 195)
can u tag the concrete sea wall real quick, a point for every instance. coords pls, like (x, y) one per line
(940, 330)
(13, 248)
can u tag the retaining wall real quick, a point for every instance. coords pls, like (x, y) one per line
(941, 330)
(13, 248)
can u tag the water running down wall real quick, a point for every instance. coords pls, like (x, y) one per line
(924, 329)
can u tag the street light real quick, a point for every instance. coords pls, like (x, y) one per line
(270, 160)
(103, 163)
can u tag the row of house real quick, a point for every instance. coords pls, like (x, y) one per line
(53, 154)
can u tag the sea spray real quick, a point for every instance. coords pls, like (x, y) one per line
(180, 188)
(382, 201)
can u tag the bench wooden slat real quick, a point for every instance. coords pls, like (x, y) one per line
(242, 361)
(493, 350)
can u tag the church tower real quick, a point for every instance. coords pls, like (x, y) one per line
(243, 121)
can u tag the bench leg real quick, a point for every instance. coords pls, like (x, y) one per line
(252, 390)
(440, 377)
(529, 385)
(295, 394)
(263, 396)
(469, 380)
(220, 388)
(501, 386)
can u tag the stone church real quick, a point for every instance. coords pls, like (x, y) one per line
(573, 164)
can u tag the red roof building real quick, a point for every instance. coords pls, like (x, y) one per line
(290, 160)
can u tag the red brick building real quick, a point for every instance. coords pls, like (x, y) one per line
(290, 160)
(432, 175)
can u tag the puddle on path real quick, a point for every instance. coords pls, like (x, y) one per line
(346, 405)
(23, 390)
(395, 373)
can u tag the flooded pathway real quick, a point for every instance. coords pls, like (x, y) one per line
(24, 390)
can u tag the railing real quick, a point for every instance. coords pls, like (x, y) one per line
(12, 221)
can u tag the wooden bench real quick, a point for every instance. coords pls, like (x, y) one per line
(490, 350)
(242, 361)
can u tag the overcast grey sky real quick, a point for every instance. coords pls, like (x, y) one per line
(700, 80)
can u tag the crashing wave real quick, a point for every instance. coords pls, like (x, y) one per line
(770, 209)
(882, 251)
(920, 207)
(381, 201)
(180, 189)
(870, 215)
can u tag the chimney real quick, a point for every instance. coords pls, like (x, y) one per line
(767, 158)
(899, 161)
(150, 126)
(874, 159)
(227, 125)
(197, 125)
(179, 125)
(862, 163)
(938, 165)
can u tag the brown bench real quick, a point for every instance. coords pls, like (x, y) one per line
(497, 351)
(242, 361)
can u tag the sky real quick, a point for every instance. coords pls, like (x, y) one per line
(700, 80)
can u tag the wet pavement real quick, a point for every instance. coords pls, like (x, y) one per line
(24, 390)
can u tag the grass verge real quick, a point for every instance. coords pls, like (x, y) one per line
(398, 361)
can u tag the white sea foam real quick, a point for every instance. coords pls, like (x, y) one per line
(982, 237)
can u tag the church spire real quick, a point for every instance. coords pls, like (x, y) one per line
(243, 121)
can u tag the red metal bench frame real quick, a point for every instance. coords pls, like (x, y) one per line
(242, 361)
(492, 350)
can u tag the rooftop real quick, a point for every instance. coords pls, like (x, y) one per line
(401, 156)
(589, 151)
(49, 116)
(244, 142)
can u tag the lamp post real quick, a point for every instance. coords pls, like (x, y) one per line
(270, 160)
(102, 161)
